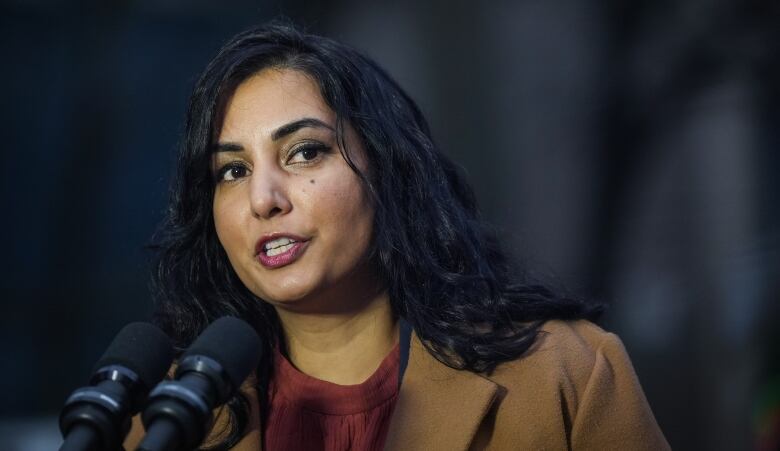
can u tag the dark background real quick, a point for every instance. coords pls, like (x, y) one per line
(629, 150)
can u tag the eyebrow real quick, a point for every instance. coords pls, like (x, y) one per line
(279, 133)
(294, 126)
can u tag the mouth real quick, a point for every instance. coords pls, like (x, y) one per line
(278, 250)
(278, 246)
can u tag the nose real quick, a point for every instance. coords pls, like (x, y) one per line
(268, 195)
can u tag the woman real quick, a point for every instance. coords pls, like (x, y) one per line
(311, 201)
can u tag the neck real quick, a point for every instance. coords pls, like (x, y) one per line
(345, 347)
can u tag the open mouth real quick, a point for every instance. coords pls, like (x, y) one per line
(281, 251)
(278, 246)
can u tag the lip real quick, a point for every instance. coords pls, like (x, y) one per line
(284, 258)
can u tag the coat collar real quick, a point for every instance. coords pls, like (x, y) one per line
(438, 407)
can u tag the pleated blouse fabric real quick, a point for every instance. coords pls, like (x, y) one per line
(310, 414)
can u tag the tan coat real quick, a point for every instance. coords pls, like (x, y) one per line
(575, 389)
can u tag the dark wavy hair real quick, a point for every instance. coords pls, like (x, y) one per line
(471, 309)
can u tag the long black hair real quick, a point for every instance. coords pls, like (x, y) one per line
(445, 273)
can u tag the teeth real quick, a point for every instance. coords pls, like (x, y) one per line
(281, 249)
(278, 243)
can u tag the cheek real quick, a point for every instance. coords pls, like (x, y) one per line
(343, 205)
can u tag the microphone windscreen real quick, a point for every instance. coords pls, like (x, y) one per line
(233, 343)
(144, 349)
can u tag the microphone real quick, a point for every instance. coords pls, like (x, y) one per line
(98, 417)
(179, 413)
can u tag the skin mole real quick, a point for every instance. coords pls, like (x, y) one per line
(311, 181)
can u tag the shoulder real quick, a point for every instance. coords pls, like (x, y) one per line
(574, 340)
(559, 363)
(566, 360)
(579, 379)
(563, 351)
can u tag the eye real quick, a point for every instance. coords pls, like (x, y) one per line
(306, 153)
(231, 172)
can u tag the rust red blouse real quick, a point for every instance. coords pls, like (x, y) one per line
(311, 414)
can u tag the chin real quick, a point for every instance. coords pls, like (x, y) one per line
(277, 287)
(285, 298)
(293, 294)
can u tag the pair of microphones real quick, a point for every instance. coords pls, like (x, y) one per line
(177, 413)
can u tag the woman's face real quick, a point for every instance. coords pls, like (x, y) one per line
(290, 213)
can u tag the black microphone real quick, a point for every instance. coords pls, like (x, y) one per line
(179, 413)
(98, 417)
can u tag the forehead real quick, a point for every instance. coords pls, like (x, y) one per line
(272, 98)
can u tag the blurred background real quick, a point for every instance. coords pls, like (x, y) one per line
(630, 150)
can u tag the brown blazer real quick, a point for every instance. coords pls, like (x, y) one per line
(575, 389)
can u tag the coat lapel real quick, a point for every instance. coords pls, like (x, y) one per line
(438, 407)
